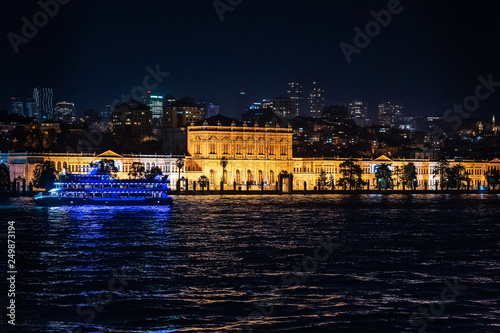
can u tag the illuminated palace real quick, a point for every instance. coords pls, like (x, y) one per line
(255, 155)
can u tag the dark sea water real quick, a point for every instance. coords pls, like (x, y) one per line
(360, 263)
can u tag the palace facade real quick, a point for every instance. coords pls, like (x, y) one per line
(255, 156)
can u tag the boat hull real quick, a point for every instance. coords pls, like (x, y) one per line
(48, 201)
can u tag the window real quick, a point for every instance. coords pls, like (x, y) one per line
(212, 148)
(212, 177)
(197, 149)
(271, 177)
(261, 149)
(261, 178)
(271, 150)
(238, 177)
(225, 148)
(250, 149)
(238, 149)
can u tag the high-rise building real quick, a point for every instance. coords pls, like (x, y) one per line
(155, 103)
(390, 114)
(316, 98)
(295, 91)
(284, 107)
(44, 101)
(181, 113)
(17, 106)
(31, 108)
(132, 120)
(64, 111)
(358, 111)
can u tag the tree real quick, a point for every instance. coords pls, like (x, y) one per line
(397, 172)
(383, 173)
(179, 163)
(223, 163)
(492, 178)
(44, 175)
(322, 181)
(4, 178)
(409, 176)
(106, 166)
(440, 170)
(136, 171)
(152, 173)
(203, 181)
(457, 176)
(351, 175)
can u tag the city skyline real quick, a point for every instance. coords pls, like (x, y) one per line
(406, 62)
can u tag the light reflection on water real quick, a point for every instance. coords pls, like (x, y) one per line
(200, 264)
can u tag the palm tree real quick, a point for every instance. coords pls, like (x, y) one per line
(223, 164)
(397, 172)
(440, 170)
(384, 175)
(179, 163)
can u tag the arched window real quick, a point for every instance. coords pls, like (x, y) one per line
(238, 177)
(225, 177)
(249, 176)
(59, 166)
(271, 177)
(261, 178)
(212, 177)
(148, 166)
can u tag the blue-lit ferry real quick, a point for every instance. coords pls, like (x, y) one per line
(98, 188)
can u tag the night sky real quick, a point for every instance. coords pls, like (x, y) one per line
(91, 52)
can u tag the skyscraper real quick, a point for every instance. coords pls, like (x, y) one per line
(316, 98)
(390, 114)
(44, 102)
(155, 103)
(31, 108)
(358, 111)
(17, 106)
(295, 92)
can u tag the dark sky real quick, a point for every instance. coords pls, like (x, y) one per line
(91, 52)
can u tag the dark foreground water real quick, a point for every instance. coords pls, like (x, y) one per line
(363, 263)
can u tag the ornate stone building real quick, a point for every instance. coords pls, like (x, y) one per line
(255, 156)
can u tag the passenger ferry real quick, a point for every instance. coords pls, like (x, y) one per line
(100, 188)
